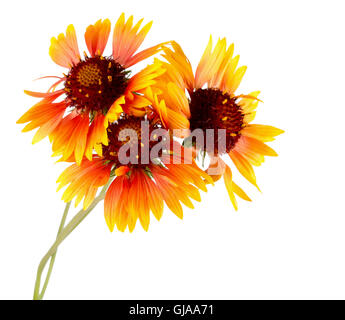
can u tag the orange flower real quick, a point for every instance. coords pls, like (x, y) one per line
(138, 187)
(95, 90)
(214, 105)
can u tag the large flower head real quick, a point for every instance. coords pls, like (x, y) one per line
(214, 105)
(143, 181)
(96, 88)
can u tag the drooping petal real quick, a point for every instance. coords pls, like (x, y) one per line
(237, 190)
(168, 191)
(244, 167)
(81, 139)
(154, 197)
(229, 186)
(133, 205)
(122, 217)
(84, 180)
(70, 136)
(179, 183)
(138, 203)
(112, 201)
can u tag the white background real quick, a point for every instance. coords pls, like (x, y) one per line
(287, 244)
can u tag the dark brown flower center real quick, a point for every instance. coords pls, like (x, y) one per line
(134, 132)
(214, 109)
(95, 83)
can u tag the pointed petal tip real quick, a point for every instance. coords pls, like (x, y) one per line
(110, 225)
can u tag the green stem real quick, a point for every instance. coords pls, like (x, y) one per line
(52, 259)
(62, 235)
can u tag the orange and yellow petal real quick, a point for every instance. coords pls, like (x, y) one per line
(217, 169)
(253, 157)
(168, 190)
(136, 106)
(113, 200)
(210, 62)
(84, 180)
(96, 36)
(159, 106)
(217, 77)
(261, 132)
(135, 193)
(144, 54)
(239, 192)
(172, 115)
(154, 197)
(127, 201)
(232, 76)
(97, 134)
(70, 137)
(138, 204)
(53, 95)
(44, 115)
(244, 167)
(128, 38)
(143, 79)
(64, 49)
(169, 89)
(258, 147)
(232, 81)
(180, 70)
(249, 103)
(253, 150)
(115, 110)
(229, 186)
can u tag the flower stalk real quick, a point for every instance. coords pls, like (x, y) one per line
(63, 233)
